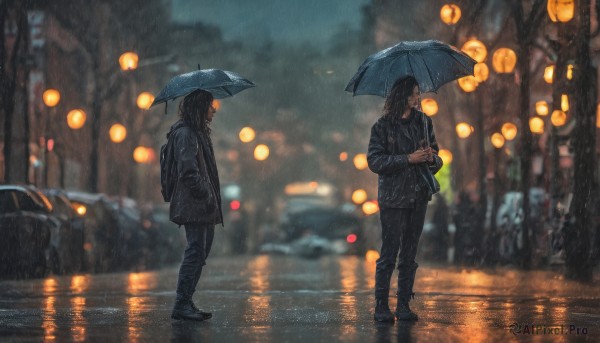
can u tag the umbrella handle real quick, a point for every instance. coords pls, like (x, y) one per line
(425, 125)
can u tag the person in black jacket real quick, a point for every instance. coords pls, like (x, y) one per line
(403, 151)
(196, 199)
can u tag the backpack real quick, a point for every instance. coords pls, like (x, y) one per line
(168, 170)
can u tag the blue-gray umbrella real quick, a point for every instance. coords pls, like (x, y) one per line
(220, 83)
(431, 62)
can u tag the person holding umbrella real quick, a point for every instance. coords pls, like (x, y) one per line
(403, 152)
(189, 176)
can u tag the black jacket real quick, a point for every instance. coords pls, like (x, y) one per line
(390, 144)
(196, 197)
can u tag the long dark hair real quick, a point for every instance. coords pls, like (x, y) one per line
(193, 110)
(398, 98)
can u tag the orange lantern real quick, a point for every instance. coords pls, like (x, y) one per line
(476, 49)
(504, 60)
(247, 134)
(549, 74)
(570, 72)
(144, 100)
(481, 72)
(216, 104)
(359, 196)
(541, 108)
(509, 131)
(450, 14)
(370, 207)
(561, 10)
(343, 156)
(141, 154)
(536, 125)
(564, 102)
(468, 83)
(445, 155)
(261, 152)
(128, 61)
(558, 118)
(360, 161)
(429, 106)
(51, 97)
(76, 119)
(497, 140)
(117, 133)
(463, 130)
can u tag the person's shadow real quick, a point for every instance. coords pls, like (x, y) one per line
(385, 331)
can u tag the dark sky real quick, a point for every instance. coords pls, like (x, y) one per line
(281, 20)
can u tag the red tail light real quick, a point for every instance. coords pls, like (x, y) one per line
(351, 238)
(235, 205)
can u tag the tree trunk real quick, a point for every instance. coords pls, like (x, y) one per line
(577, 236)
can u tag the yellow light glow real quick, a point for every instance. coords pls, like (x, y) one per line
(450, 14)
(561, 10)
(558, 118)
(497, 140)
(541, 108)
(359, 196)
(549, 74)
(343, 156)
(80, 209)
(142, 154)
(372, 256)
(463, 130)
(370, 207)
(536, 125)
(216, 104)
(446, 156)
(481, 72)
(509, 131)
(51, 97)
(564, 102)
(360, 161)
(598, 116)
(117, 133)
(261, 152)
(476, 49)
(247, 134)
(76, 119)
(429, 107)
(144, 100)
(128, 61)
(504, 60)
(570, 72)
(468, 83)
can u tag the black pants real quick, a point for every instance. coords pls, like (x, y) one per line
(401, 230)
(199, 240)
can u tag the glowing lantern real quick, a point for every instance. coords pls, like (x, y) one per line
(429, 106)
(481, 72)
(247, 134)
(549, 74)
(497, 140)
(261, 152)
(463, 130)
(558, 118)
(76, 118)
(343, 156)
(144, 100)
(570, 72)
(468, 83)
(504, 60)
(359, 196)
(445, 155)
(360, 161)
(216, 104)
(509, 131)
(370, 207)
(564, 102)
(141, 154)
(450, 14)
(561, 10)
(128, 61)
(541, 108)
(536, 125)
(117, 133)
(476, 49)
(51, 97)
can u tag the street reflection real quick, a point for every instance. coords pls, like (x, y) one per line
(49, 310)
(349, 282)
(135, 309)
(141, 282)
(78, 321)
(369, 271)
(258, 310)
(79, 283)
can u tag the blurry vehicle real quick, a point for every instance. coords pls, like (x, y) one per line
(165, 239)
(26, 226)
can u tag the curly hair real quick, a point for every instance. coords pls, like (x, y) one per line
(193, 110)
(397, 100)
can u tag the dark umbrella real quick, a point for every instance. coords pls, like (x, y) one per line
(220, 83)
(431, 62)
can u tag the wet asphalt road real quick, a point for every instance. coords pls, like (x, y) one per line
(283, 299)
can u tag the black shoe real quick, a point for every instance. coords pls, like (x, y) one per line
(206, 315)
(382, 311)
(183, 310)
(403, 311)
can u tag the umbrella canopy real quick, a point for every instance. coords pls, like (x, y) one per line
(432, 63)
(220, 83)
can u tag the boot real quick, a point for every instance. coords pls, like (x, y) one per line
(382, 311)
(183, 310)
(403, 311)
(206, 315)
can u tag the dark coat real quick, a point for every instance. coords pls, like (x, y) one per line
(196, 196)
(390, 144)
